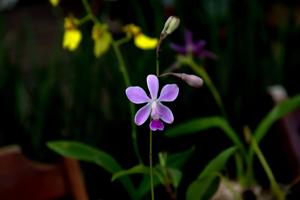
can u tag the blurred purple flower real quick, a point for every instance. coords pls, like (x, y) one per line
(190, 47)
(154, 107)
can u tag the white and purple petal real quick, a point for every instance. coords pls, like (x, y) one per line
(137, 95)
(155, 110)
(169, 93)
(165, 113)
(153, 85)
(156, 125)
(142, 114)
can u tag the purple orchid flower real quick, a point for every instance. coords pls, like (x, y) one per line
(154, 106)
(190, 47)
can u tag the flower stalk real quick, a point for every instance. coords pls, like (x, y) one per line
(186, 60)
(151, 166)
(170, 26)
(124, 72)
(89, 11)
(274, 185)
(123, 69)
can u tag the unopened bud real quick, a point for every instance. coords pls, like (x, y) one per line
(278, 93)
(171, 24)
(190, 79)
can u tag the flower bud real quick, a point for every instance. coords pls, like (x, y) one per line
(171, 24)
(192, 80)
(278, 93)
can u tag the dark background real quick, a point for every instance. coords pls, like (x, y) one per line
(47, 93)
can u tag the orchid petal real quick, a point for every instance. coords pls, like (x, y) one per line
(169, 93)
(153, 85)
(102, 39)
(71, 39)
(165, 114)
(156, 125)
(137, 95)
(142, 114)
(178, 48)
(199, 45)
(144, 42)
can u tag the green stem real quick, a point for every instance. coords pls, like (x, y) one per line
(157, 66)
(202, 72)
(121, 62)
(151, 168)
(89, 11)
(161, 38)
(188, 60)
(249, 173)
(274, 185)
(123, 41)
(84, 20)
(124, 72)
(239, 167)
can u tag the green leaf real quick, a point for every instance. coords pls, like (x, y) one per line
(202, 124)
(276, 113)
(174, 161)
(176, 176)
(172, 175)
(200, 186)
(139, 169)
(84, 152)
(218, 163)
(203, 188)
(177, 160)
(144, 186)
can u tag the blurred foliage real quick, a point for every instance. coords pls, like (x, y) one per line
(62, 95)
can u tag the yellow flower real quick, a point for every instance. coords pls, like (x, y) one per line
(102, 39)
(140, 40)
(72, 36)
(144, 42)
(54, 2)
(131, 30)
